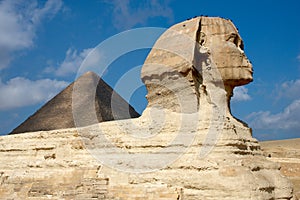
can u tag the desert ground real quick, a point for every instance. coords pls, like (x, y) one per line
(287, 153)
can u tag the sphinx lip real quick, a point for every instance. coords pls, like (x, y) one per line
(250, 69)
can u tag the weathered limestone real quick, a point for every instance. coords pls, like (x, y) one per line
(186, 144)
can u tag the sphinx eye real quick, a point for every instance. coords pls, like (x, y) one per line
(241, 45)
(235, 39)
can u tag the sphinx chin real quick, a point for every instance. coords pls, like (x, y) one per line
(236, 83)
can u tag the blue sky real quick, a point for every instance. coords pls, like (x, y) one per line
(42, 44)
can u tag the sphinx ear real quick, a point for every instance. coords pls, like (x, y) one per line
(201, 39)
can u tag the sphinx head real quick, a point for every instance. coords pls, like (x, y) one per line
(226, 49)
(175, 71)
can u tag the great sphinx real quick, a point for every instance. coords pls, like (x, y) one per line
(187, 137)
(185, 145)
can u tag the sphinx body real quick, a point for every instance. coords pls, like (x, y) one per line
(186, 139)
(186, 144)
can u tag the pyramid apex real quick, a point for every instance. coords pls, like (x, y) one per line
(88, 76)
(90, 73)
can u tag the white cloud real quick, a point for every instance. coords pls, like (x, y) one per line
(288, 119)
(50, 9)
(240, 94)
(71, 62)
(20, 92)
(18, 23)
(289, 89)
(298, 57)
(125, 16)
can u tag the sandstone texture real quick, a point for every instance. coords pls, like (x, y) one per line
(287, 153)
(57, 113)
(185, 146)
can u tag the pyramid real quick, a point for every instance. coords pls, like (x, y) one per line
(58, 112)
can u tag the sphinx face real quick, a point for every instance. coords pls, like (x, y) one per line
(175, 70)
(226, 49)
